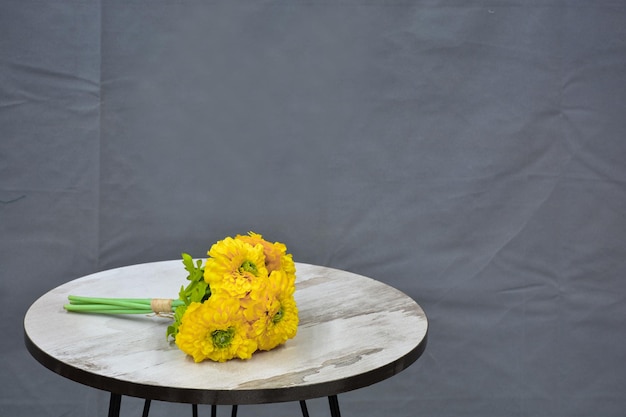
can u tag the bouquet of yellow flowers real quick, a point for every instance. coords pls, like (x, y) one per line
(239, 301)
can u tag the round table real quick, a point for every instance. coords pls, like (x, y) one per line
(354, 331)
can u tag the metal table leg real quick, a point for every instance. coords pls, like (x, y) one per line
(305, 411)
(334, 406)
(115, 403)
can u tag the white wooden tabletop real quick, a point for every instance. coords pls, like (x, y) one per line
(354, 331)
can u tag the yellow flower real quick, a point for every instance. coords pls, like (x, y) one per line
(281, 324)
(280, 321)
(235, 267)
(215, 330)
(256, 307)
(276, 256)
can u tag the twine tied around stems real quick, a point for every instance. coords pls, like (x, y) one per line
(161, 305)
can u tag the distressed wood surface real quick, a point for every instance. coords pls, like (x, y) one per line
(354, 331)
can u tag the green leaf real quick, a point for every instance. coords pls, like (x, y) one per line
(197, 290)
(188, 262)
(172, 330)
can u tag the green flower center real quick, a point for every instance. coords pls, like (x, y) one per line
(222, 338)
(279, 315)
(248, 266)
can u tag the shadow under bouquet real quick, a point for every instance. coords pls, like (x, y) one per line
(237, 301)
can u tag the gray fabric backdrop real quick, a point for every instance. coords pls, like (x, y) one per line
(470, 153)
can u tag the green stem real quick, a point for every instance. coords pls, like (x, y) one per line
(123, 304)
(105, 309)
(75, 299)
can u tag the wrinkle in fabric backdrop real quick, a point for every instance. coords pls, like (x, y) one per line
(468, 153)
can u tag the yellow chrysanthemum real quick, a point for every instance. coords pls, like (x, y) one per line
(215, 330)
(281, 324)
(260, 315)
(257, 305)
(276, 256)
(280, 321)
(235, 267)
(281, 283)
